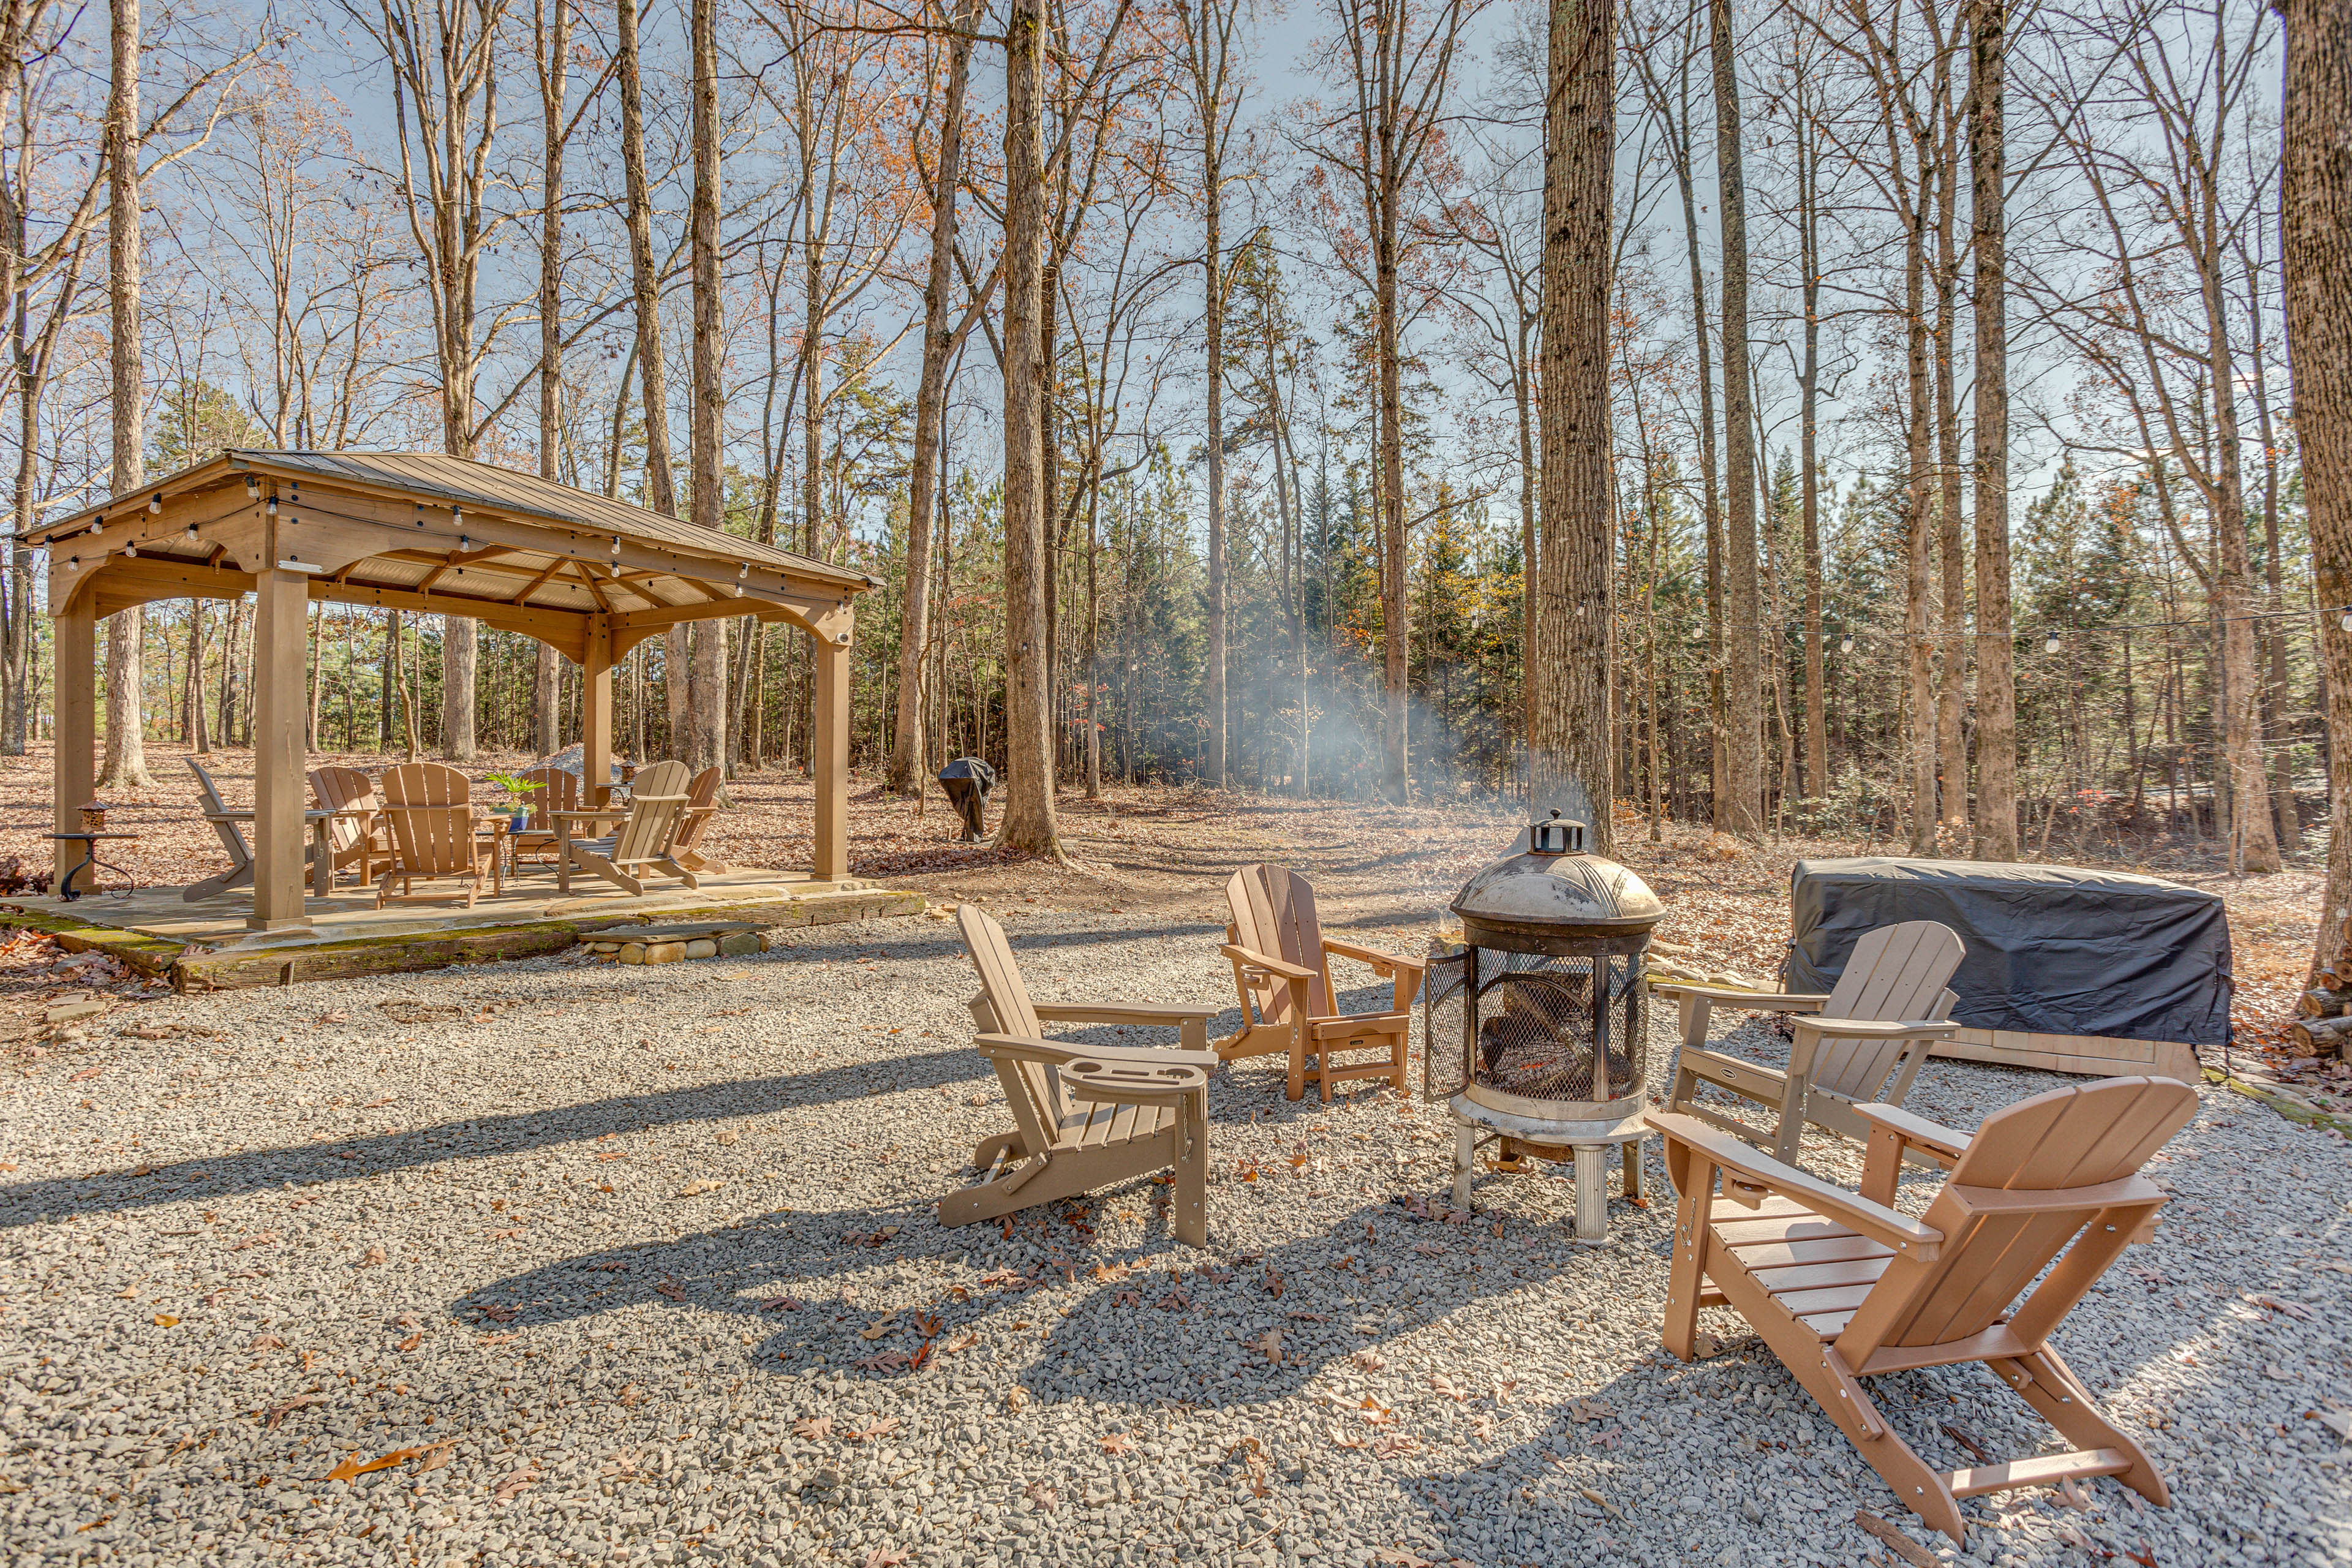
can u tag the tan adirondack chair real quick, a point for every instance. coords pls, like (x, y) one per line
(558, 790)
(436, 834)
(229, 827)
(1865, 1043)
(1082, 1117)
(701, 805)
(360, 838)
(1842, 1285)
(640, 844)
(1282, 968)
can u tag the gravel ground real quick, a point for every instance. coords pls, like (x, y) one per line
(630, 1265)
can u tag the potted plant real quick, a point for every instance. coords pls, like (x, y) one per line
(518, 810)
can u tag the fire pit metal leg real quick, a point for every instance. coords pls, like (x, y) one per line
(1466, 1153)
(1633, 1169)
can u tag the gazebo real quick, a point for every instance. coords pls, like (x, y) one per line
(589, 576)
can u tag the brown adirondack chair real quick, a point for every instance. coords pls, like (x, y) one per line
(640, 843)
(1082, 1117)
(701, 805)
(1842, 1285)
(436, 834)
(229, 827)
(360, 838)
(1282, 968)
(1865, 1043)
(558, 790)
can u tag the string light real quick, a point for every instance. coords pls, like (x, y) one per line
(252, 487)
(2049, 643)
(616, 546)
(73, 562)
(155, 501)
(130, 549)
(2348, 622)
(192, 530)
(1846, 644)
(272, 507)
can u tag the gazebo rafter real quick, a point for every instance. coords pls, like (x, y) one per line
(426, 534)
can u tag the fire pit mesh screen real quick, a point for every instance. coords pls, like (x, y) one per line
(1536, 1033)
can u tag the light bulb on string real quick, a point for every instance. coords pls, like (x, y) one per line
(1846, 644)
(616, 546)
(2348, 622)
(155, 501)
(73, 562)
(191, 533)
(2049, 643)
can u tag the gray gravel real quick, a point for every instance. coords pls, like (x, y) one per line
(639, 1257)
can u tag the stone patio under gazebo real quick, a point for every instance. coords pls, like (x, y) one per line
(426, 534)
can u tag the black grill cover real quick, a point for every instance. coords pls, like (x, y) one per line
(2051, 949)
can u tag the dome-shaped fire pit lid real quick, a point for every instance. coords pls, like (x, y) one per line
(1554, 890)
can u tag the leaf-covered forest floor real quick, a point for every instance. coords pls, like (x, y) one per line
(1377, 868)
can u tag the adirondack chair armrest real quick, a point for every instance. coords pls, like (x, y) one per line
(1768, 1086)
(1915, 1130)
(1382, 964)
(1119, 1012)
(1732, 996)
(1871, 1029)
(1113, 1077)
(1273, 966)
(1887, 1226)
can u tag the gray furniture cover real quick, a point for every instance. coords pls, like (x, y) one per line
(2051, 949)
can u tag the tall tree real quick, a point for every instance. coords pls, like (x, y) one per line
(551, 34)
(1207, 75)
(1029, 816)
(1996, 812)
(706, 736)
(125, 766)
(941, 336)
(1741, 811)
(2315, 213)
(1571, 653)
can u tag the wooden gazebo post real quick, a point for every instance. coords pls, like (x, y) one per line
(829, 861)
(280, 634)
(596, 713)
(75, 722)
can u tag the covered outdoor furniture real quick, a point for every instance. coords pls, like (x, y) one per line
(1863, 1042)
(641, 843)
(967, 781)
(2067, 969)
(559, 790)
(437, 835)
(1843, 1285)
(1281, 970)
(1083, 1116)
(701, 805)
(357, 836)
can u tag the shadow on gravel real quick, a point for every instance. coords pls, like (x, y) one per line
(223, 1175)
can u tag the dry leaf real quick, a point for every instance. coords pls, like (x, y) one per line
(165, 1320)
(352, 1467)
(374, 1254)
(671, 1289)
(522, 1480)
(411, 1342)
(1902, 1545)
(882, 1426)
(697, 1188)
(1401, 1558)
(1395, 1446)
(883, 1557)
(278, 1412)
(1268, 1344)
(876, 1329)
(1445, 1389)
(1116, 1442)
(814, 1427)
(630, 1397)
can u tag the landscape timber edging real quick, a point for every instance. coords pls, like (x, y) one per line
(192, 967)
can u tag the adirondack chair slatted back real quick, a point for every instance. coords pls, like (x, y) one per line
(430, 808)
(338, 788)
(1273, 913)
(216, 809)
(700, 797)
(1895, 975)
(1033, 1089)
(2066, 1140)
(559, 790)
(656, 798)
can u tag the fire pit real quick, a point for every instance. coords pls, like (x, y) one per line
(1533, 1030)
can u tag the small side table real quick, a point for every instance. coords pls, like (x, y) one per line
(91, 862)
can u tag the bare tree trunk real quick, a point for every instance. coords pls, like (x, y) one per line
(1744, 741)
(1029, 819)
(555, 59)
(1809, 240)
(1952, 647)
(125, 764)
(906, 751)
(661, 482)
(1208, 34)
(1571, 662)
(2316, 206)
(1996, 812)
(1920, 522)
(705, 739)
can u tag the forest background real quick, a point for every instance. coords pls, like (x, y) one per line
(745, 263)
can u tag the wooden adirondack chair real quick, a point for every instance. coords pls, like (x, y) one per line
(559, 790)
(1082, 1118)
(1282, 968)
(642, 841)
(436, 834)
(229, 827)
(701, 805)
(1843, 1286)
(360, 839)
(1864, 1044)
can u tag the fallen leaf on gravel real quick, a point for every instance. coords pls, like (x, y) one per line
(352, 1467)
(1445, 1389)
(671, 1289)
(165, 1320)
(630, 1397)
(1268, 1344)
(1902, 1545)
(962, 1341)
(2295, 1309)
(612, 1154)
(2071, 1496)
(86, 1074)
(93, 1524)
(883, 1361)
(2069, 1535)
(695, 1189)
(2144, 1556)
(883, 1557)
(1342, 1438)
(881, 1427)
(1597, 1500)
(1400, 1559)
(1375, 1413)
(876, 1329)
(522, 1480)
(130, 1292)
(374, 1254)
(266, 1342)
(1429, 1249)
(1395, 1447)
(497, 1313)
(411, 1343)
(781, 1304)
(278, 1412)
(488, 1340)
(814, 1427)
(1368, 1360)
(1116, 1442)
(1582, 1410)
